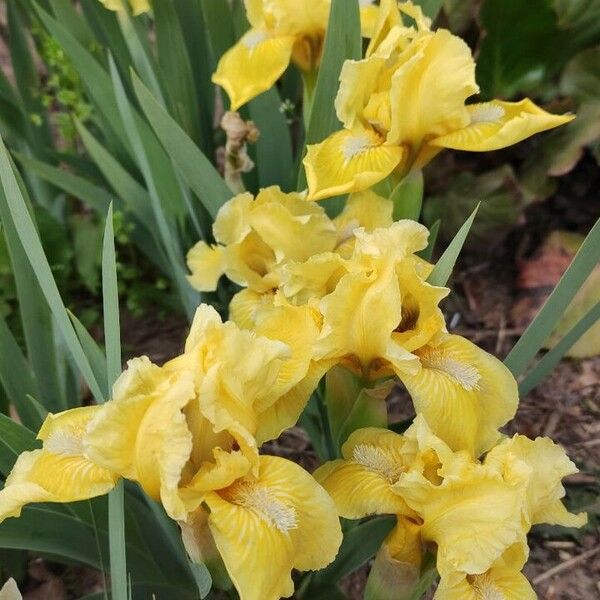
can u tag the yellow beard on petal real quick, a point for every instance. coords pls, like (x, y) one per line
(375, 460)
(261, 501)
(485, 587)
(464, 374)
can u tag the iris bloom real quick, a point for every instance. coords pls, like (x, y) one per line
(545, 464)
(266, 524)
(405, 102)
(142, 433)
(477, 514)
(137, 6)
(383, 318)
(60, 471)
(167, 426)
(502, 580)
(281, 31)
(255, 235)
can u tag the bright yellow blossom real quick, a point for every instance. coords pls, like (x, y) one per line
(546, 463)
(60, 471)
(142, 433)
(405, 102)
(503, 580)
(267, 524)
(235, 373)
(477, 514)
(281, 31)
(365, 480)
(137, 6)
(254, 236)
(181, 429)
(473, 515)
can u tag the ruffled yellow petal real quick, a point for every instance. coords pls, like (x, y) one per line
(225, 468)
(302, 282)
(207, 264)
(361, 484)
(368, 17)
(398, 241)
(253, 65)
(359, 317)
(349, 161)
(474, 515)
(422, 320)
(359, 83)
(548, 464)
(298, 17)
(370, 210)
(142, 433)
(364, 209)
(231, 225)
(503, 580)
(464, 393)
(496, 124)
(266, 526)
(235, 372)
(293, 227)
(250, 263)
(298, 327)
(60, 471)
(429, 89)
(245, 305)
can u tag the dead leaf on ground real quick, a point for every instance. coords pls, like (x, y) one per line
(540, 274)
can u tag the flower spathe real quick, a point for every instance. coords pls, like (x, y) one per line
(405, 102)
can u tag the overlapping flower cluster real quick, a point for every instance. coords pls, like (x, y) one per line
(347, 295)
(355, 291)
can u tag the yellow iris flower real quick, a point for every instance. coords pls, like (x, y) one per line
(364, 303)
(61, 470)
(502, 580)
(545, 463)
(382, 318)
(477, 514)
(266, 524)
(137, 6)
(281, 31)
(254, 236)
(142, 433)
(405, 102)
